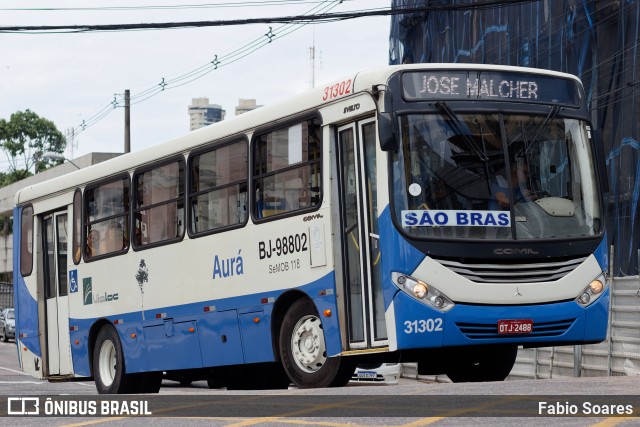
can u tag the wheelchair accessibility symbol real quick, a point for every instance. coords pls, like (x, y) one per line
(73, 281)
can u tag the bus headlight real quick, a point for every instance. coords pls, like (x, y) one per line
(422, 291)
(592, 292)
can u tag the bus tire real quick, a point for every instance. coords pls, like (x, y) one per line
(108, 363)
(480, 364)
(215, 383)
(303, 352)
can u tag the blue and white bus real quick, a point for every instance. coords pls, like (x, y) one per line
(434, 213)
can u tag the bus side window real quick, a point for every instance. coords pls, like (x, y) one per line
(218, 187)
(286, 168)
(159, 205)
(26, 241)
(106, 218)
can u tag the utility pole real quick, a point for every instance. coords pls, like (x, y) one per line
(71, 137)
(312, 61)
(312, 58)
(37, 156)
(127, 121)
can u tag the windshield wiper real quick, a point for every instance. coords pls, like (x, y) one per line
(552, 115)
(446, 111)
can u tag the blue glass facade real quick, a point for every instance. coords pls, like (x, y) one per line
(597, 40)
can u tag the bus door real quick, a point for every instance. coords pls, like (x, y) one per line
(54, 240)
(360, 241)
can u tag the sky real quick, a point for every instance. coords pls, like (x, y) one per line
(71, 78)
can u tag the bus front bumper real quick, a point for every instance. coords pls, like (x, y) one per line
(556, 323)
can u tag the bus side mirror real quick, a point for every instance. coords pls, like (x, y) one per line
(601, 159)
(387, 132)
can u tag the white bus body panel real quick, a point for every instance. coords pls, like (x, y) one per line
(462, 290)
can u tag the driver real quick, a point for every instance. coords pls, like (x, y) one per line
(519, 186)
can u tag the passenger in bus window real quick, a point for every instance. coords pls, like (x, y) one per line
(91, 247)
(114, 240)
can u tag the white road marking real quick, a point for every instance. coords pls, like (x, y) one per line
(14, 371)
(21, 382)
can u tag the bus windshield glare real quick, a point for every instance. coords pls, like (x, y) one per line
(495, 176)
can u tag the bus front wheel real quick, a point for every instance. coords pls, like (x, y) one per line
(482, 363)
(303, 351)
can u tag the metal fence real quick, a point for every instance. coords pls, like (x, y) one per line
(618, 355)
(6, 295)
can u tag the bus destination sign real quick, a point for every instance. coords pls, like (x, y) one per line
(489, 86)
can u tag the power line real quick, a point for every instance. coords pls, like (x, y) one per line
(218, 61)
(270, 3)
(297, 19)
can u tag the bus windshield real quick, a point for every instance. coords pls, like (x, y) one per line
(501, 176)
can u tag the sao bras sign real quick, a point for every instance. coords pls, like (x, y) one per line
(453, 218)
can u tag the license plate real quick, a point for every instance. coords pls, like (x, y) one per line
(367, 375)
(519, 326)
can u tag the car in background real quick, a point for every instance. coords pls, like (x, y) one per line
(388, 373)
(7, 324)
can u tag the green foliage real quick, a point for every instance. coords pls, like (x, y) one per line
(23, 138)
(7, 178)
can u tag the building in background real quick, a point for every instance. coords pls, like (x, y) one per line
(596, 40)
(245, 105)
(203, 114)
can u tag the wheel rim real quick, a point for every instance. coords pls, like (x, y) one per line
(107, 362)
(307, 344)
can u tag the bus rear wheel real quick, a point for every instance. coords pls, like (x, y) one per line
(108, 362)
(303, 351)
(109, 370)
(482, 363)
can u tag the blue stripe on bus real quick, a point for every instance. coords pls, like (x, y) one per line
(419, 326)
(602, 254)
(26, 317)
(397, 254)
(228, 335)
(26, 307)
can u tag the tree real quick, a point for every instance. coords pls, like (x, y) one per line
(24, 138)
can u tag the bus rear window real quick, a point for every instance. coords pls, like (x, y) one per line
(77, 226)
(26, 241)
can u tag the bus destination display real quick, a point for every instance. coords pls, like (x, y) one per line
(489, 86)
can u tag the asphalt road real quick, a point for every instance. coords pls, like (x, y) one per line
(409, 403)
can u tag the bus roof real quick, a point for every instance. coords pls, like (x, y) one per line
(245, 123)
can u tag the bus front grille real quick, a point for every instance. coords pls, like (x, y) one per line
(513, 273)
(475, 331)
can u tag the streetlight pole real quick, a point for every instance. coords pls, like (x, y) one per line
(56, 156)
